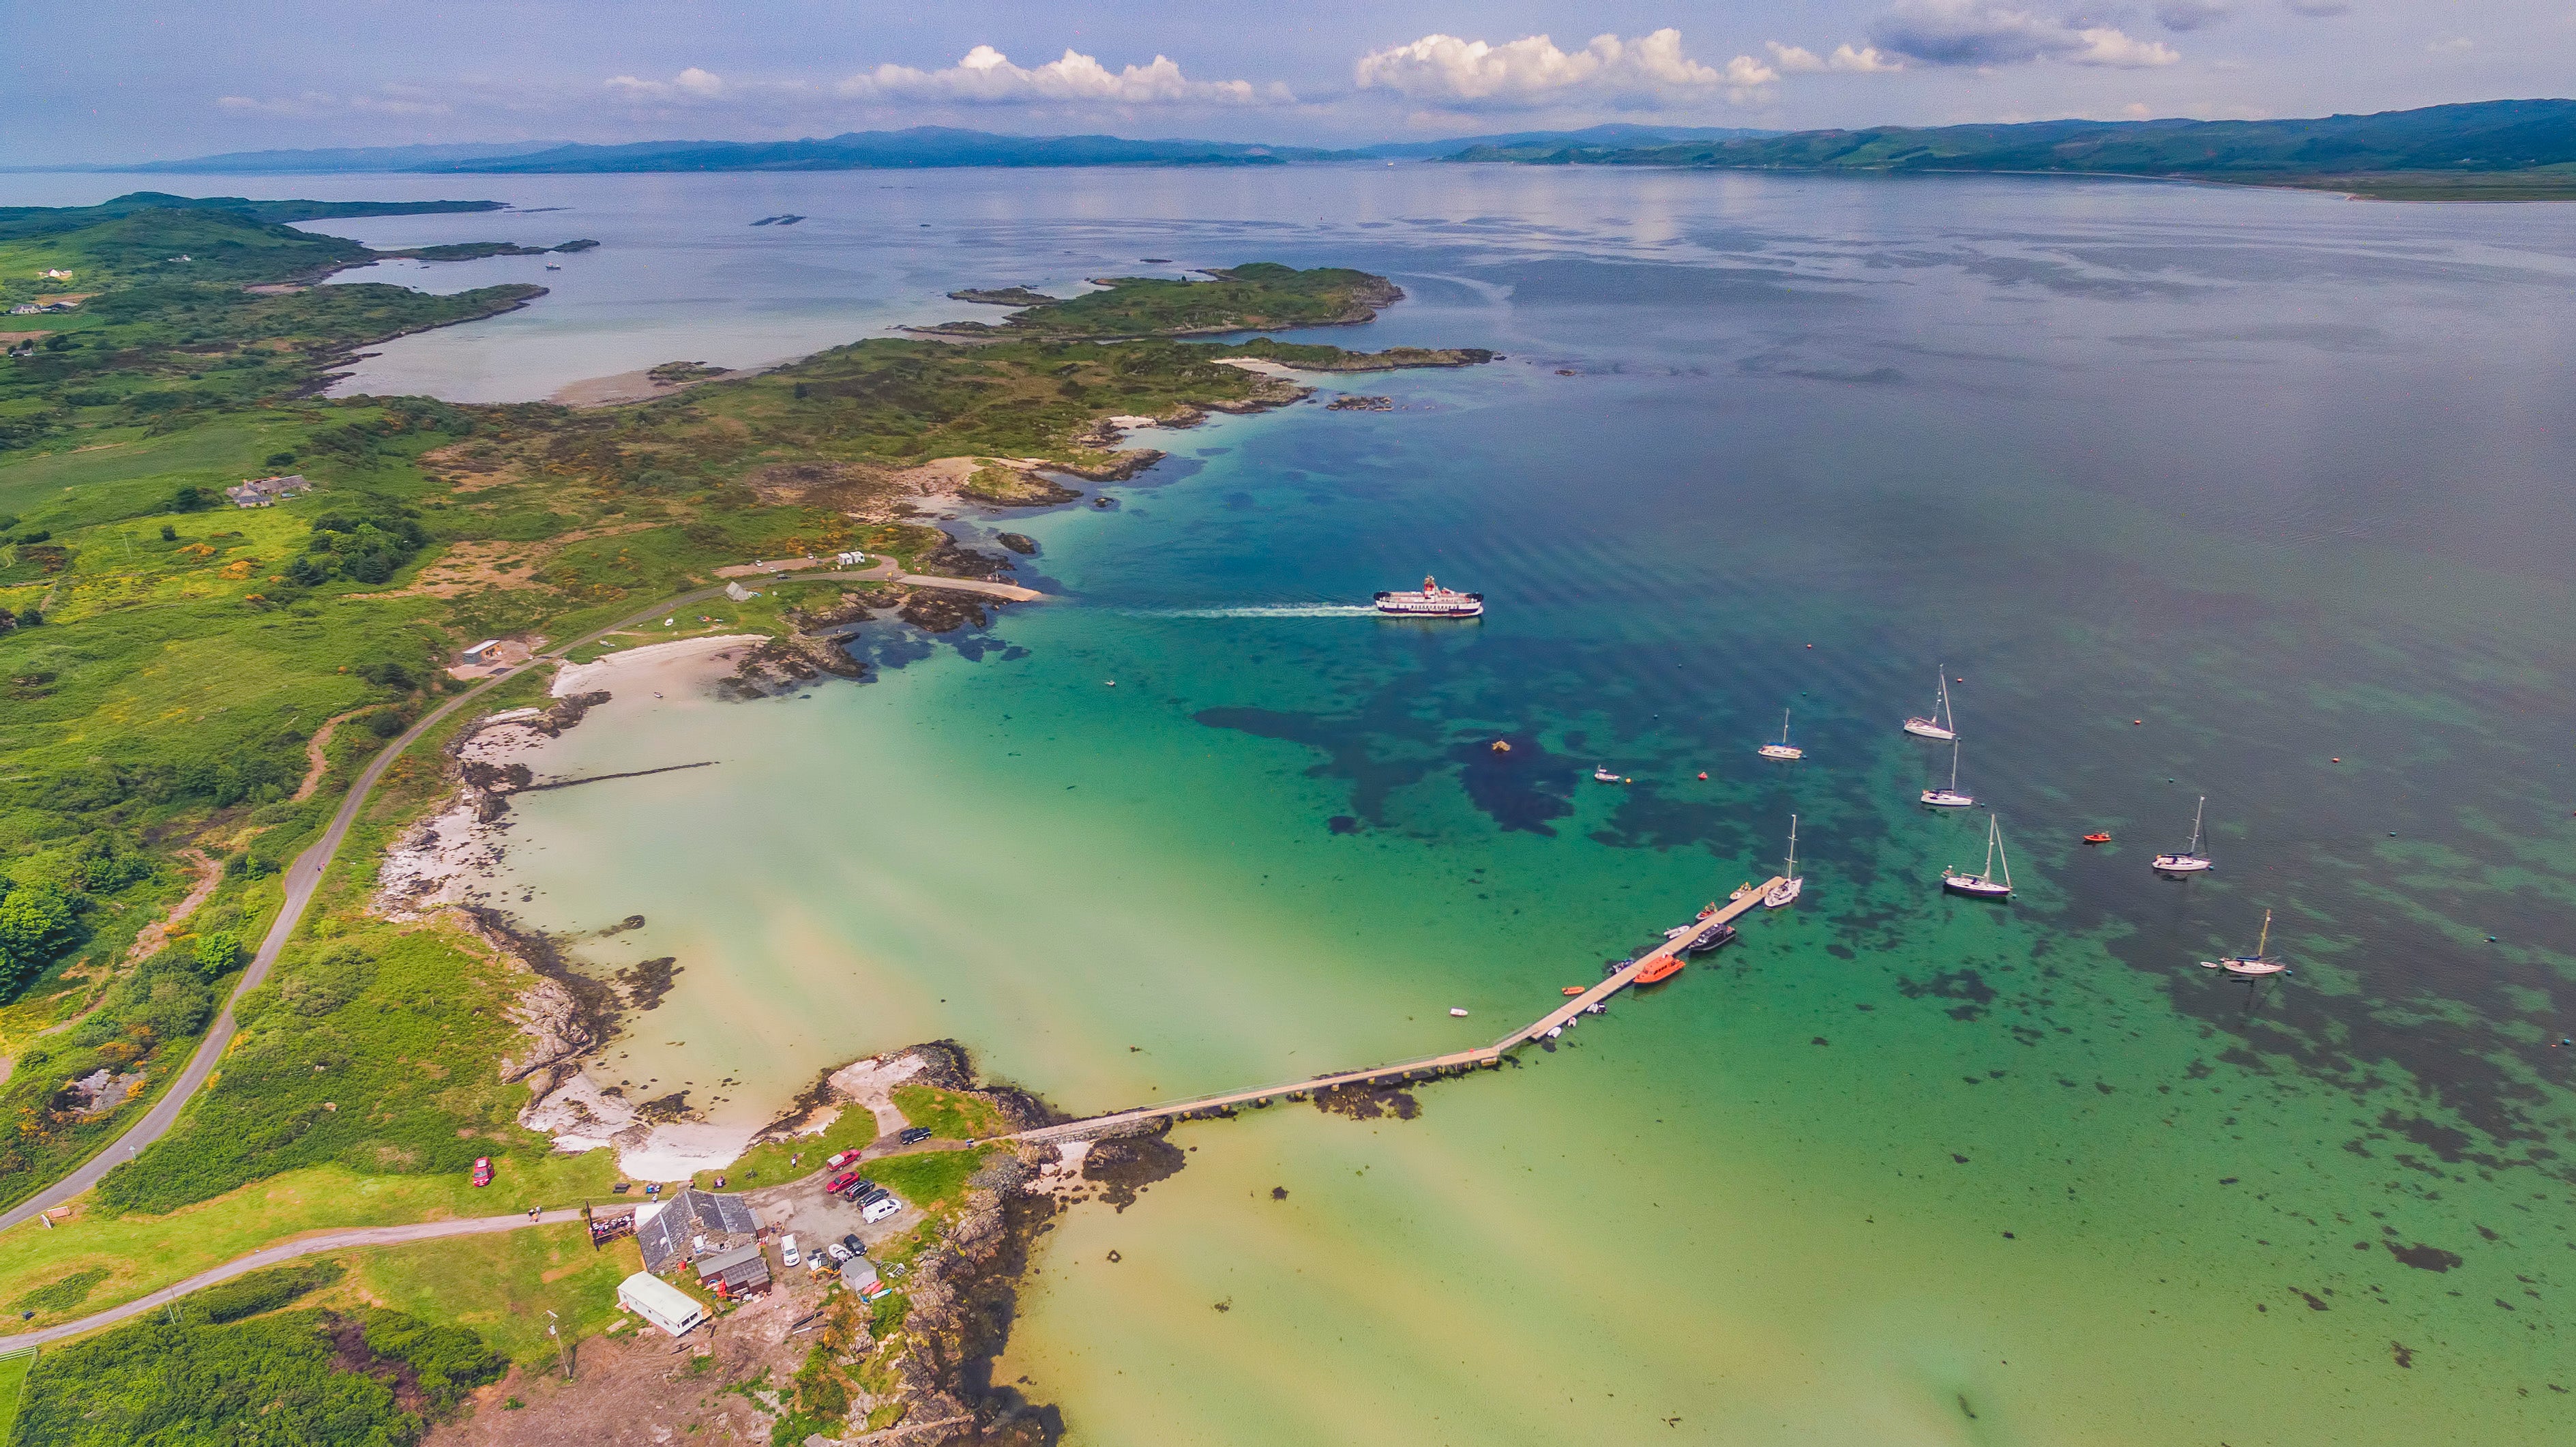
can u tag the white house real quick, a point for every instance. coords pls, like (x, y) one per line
(660, 1303)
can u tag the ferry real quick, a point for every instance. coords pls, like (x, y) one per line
(1661, 970)
(1433, 601)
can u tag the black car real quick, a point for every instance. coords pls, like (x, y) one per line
(852, 1242)
(914, 1135)
(872, 1195)
(857, 1188)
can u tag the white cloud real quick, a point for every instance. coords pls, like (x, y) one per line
(1987, 33)
(691, 84)
(1798, 60)
(1533, 71)
(2318, 9)
(987, 77)
(2452, 45)
(306, 104)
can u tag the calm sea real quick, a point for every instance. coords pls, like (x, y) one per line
(2194, 492)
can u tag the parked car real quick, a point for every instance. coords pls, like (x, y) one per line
(852, 1241)
(840, 1159)
(482, 1170)
(787, 1251)
(880, 1208)
(837, 1252)
(872, 1195)
(857, 1188)
(914, 1135)
(841, 1182)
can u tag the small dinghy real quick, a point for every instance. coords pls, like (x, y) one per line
(2097, 838)
(1572, 990)
(1454, 1010)
(1604, 776)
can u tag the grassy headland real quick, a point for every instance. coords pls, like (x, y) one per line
(170, 661)
(1259, 296)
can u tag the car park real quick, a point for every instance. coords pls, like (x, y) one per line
(788, 1253)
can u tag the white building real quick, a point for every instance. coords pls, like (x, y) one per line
(660, 1303)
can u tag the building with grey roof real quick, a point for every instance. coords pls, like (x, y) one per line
(691, 1224)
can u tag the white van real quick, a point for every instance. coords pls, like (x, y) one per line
(880, 1208)
(787, 1250)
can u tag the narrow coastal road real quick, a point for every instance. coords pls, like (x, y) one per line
(304, 876)
(271, 1256)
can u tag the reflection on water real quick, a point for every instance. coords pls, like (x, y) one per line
(2278, 477)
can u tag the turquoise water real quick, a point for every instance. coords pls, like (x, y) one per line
(2280, 476)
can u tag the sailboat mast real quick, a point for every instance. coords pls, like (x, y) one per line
(1997, 824)
(2195, 824)
(2265, 940)
(1791, 870)
(1941, 689)
(1989, 871)
(1954, 766)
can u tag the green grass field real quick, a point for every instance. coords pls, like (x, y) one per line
(13, 1389)
(948, 1114)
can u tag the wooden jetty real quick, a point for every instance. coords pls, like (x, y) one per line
(1432, 1065)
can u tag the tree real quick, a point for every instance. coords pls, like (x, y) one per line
(218, 953)
(36, 923)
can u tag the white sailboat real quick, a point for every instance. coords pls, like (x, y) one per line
(2190, 860)
(2255, 964)
(1783, 749)
(1781, 895)
(1939, 725)
(1983, 884)
(1950, 798)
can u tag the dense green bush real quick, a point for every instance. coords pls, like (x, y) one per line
(372, 1056)
(258, 1291)
(297, 1379)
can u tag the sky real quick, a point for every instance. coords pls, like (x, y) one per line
(125, 81)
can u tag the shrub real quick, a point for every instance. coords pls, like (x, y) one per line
(386, 723)
(261, 1291)
(218, 953)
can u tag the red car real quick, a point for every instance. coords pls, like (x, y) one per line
(841, 1180)
(841, 1158)
(482, 1170)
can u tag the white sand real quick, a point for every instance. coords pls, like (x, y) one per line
(626, 664)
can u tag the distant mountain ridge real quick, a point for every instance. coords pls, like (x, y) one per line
(2470, 149)
(2501, 150)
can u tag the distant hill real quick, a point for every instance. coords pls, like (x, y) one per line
(18, 222)
(1610, 136)
(323, 162)
(922, 146)
(2519, 149)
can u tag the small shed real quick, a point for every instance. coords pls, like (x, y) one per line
(660, 1303)
(735, 1273)
(860, 1275)
(483, 652)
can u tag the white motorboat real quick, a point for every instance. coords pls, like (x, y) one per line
(1950, 798)
(1984, 884)
(1781, 895)
(2190, 860)
(1783, 749)
(2255, 965)
(1604, 776)
(1939, 724)
(1433, 601)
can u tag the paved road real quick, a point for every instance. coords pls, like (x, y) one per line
(305, 876)
(308, 1246)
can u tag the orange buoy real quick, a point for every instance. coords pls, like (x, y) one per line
(2137, 720)
(1704, 773)
(2337, 761)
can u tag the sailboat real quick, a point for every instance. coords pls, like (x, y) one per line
(2190, 860)
(1950, 798)
(1939, 725)
(1781, 894)
(2255, 964)
(1983, 884)
(1783, 749)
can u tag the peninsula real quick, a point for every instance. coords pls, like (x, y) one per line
(229, 700)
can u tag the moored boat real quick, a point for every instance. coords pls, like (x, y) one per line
(1433, 601)
(1782, 749)
(2190, 860)
(1983, 884)
(1660, 970)
(2255, 965)
(1950, 798)
(1782, 894)
(1938, 724)
(1710, 937)
(1604, 776)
